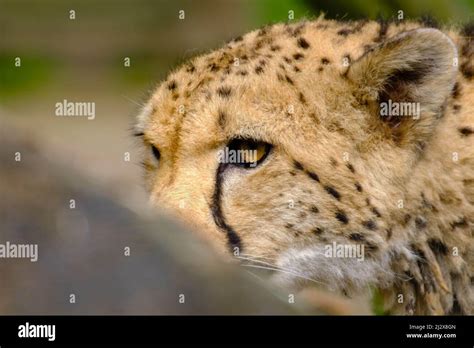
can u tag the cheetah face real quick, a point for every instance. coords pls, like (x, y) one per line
(273, 148)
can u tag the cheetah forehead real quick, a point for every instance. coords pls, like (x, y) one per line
(274, 55)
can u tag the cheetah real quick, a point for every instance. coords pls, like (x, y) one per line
(330, 173)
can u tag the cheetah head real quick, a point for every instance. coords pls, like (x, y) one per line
(275, 150)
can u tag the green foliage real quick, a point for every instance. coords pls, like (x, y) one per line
(144, 67)
(271, 11)
(443, 10)
(378, 303)
(33, 73)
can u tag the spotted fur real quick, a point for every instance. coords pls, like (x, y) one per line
(338, 172)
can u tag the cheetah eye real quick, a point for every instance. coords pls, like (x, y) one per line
(247, 153)
(155, 152)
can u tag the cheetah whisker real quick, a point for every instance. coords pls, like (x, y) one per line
(258, 257)
(283, 271)
(255, 275)
(264, 263)
(132, 101)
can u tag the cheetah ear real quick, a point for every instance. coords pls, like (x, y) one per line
(417, 67)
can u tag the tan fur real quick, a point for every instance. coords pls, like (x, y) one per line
(288, 85)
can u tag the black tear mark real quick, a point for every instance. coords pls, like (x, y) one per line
(303, 43)
(370, 225)
(224, 92)
(342, 217)
(438, 247)
(333, 192)
(357, 237)
(233, 238)
(466, 131)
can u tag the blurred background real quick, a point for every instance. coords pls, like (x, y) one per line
(112, 53)
(83, 59)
